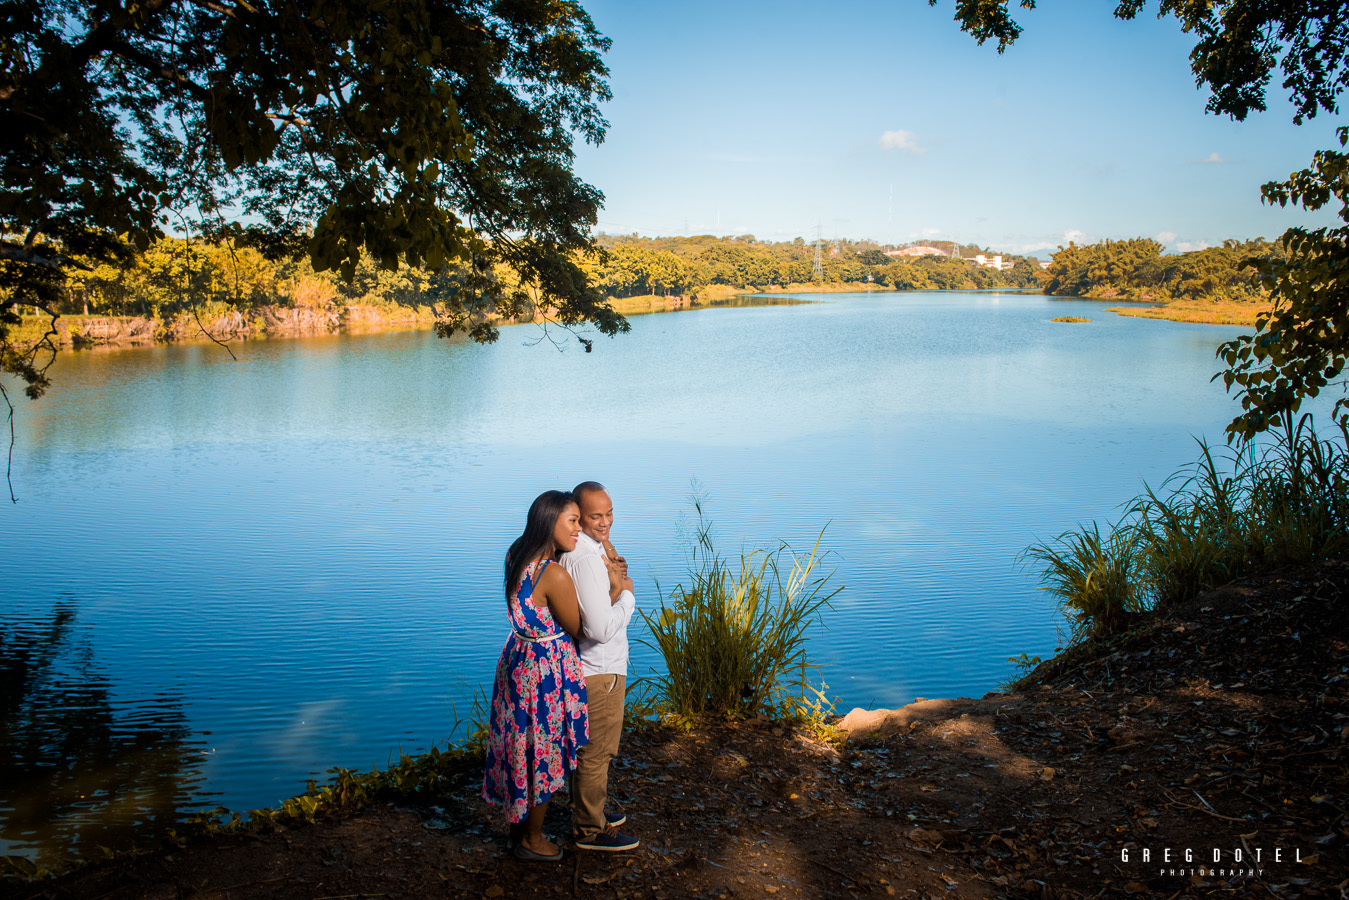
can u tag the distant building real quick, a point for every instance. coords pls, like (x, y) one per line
(992, 262)
(916, 251)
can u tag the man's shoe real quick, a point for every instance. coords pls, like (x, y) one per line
(614, 819)
(609, 839)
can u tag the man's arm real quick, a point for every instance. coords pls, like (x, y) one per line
(601, 618)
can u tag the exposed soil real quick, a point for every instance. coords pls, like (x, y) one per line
(1221, 726)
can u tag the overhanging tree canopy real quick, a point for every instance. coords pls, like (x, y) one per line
(1302, 345)
(432, 132)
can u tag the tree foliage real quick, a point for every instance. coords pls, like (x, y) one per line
(680, 265)
(1138, 269)
(427, 133)
(1302, 345)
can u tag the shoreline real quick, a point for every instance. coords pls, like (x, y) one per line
(80, 332)
(1216, 728)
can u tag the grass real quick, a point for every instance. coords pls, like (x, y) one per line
(1262, 506)
(1093, 579)
(1204, 312)
(734, 638)
(1069, 319)
(644, 303)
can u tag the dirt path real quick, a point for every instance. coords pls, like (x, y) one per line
(1223, 726)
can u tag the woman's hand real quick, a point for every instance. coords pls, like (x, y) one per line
(611, 553)
(616, 579)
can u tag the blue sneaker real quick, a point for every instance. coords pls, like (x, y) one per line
(614, 819)
(610, 839)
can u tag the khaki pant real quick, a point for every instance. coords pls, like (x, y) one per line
(590, 781)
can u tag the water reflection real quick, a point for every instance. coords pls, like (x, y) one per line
(77, 771)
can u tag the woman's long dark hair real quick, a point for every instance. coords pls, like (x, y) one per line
(538, 537)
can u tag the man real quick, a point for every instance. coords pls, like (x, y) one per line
(605, 594)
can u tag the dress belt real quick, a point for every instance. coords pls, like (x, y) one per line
(542, 639)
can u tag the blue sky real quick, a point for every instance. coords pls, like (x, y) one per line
(883, 120)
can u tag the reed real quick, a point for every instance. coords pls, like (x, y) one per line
(734, 638)
(1260, 507)
(1093, 578)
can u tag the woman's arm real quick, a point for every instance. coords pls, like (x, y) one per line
(560, 593)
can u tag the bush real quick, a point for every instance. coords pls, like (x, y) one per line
(1265, 506)
(1094, 579)
(734, 640)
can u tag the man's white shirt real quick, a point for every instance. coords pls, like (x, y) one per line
(603, 646)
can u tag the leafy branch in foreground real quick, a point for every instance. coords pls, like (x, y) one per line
(431, 131)
(1302, 343)
(435, 133)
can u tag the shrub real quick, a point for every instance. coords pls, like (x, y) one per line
(1264, 506)
(734, 639)
(1093, 578)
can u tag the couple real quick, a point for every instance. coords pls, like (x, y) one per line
(555, 713)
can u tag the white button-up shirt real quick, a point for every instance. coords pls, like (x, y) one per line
(604, 626)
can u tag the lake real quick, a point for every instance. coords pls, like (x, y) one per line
(224, 577)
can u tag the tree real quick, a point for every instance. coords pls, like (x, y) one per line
(1302, 344)
(433, 133)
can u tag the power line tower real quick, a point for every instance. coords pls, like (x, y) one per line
(818, 273)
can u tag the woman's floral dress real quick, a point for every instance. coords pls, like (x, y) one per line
(538, 716)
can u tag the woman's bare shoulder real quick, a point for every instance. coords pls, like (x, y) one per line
(554, 574)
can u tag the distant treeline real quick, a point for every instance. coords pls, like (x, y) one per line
(682, 265)
(1136, 269)
(176, 276)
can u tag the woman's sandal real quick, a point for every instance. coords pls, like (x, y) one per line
(523, 852)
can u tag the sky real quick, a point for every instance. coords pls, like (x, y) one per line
(882, 120)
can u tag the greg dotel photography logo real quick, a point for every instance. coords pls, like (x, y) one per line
(1229, 861)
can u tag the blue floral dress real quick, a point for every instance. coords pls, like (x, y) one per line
(538, 716)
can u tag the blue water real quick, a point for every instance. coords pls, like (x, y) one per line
(268, 567)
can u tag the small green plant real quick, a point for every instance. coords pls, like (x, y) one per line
(1093, 578)
(1069, 319)
(734, 639)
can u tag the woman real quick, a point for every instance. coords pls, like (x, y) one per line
(538, 713)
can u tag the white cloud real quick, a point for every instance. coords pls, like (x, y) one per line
(1165, 237)
(1187, 246)
(930, 232)
(1074, 235)
(904, 141)
(1213, 158)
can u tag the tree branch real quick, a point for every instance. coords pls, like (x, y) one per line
(25, 254)
(152, 66)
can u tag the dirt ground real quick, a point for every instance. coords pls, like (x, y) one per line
(1222, 727)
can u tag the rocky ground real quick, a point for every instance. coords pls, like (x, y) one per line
(1221, 727)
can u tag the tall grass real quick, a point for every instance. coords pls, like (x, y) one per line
(1262, 506)
(734, 638)
(1093, 578)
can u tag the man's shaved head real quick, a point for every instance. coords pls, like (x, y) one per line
(586, 487)
(597, 510)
